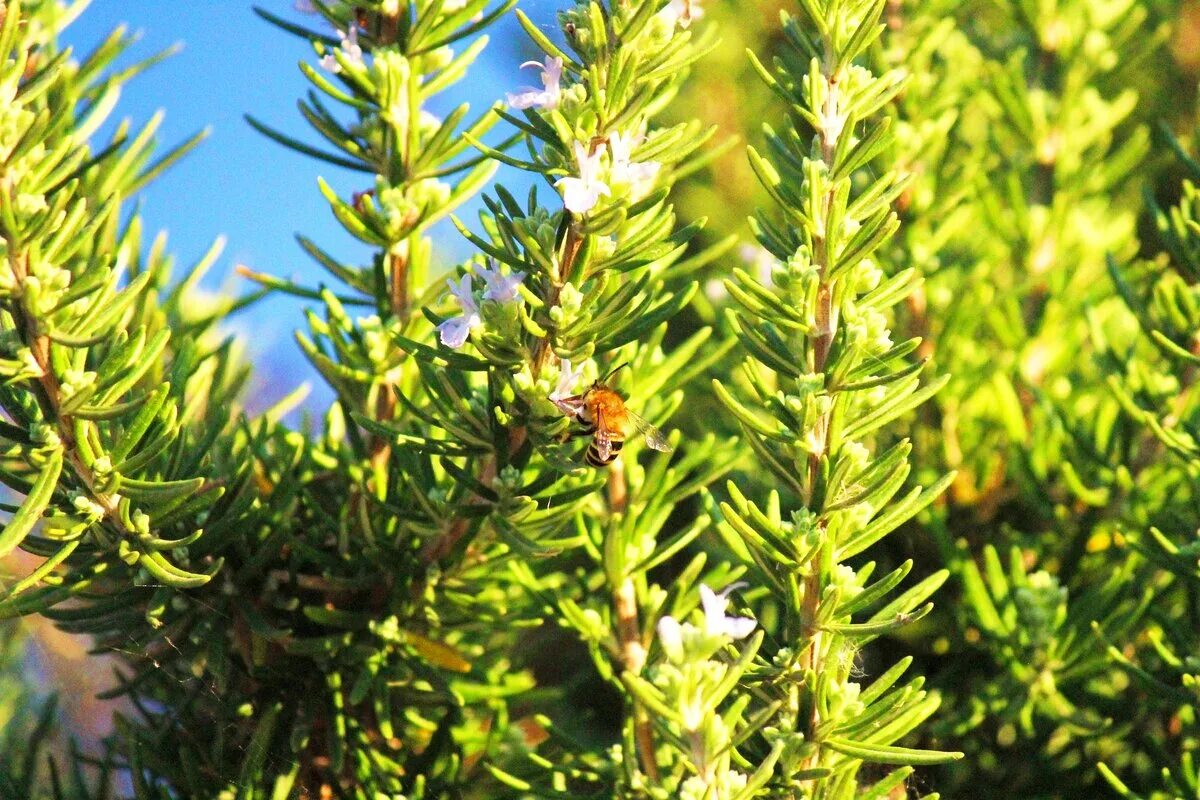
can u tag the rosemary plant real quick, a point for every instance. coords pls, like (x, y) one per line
(822, 380)
(610, 507)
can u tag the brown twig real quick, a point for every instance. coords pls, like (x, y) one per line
(633, 659)
(629, 629)
(48, 392)
(440, 547)
(398, 267)
(543, 353)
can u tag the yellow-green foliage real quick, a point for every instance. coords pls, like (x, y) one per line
(910, 289)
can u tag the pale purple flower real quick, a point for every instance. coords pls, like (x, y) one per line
(683, 12)
(546, 97)
(454, 331)
(305, 7)
(670, 636)
(349, 47)
(426, 121)
(624, 169)
(580, 194)
(714, 290)
(833, 117)
(501, 288)
(672, 633)
(430, 120)
(621, 147)
(715, 619)
(567, 378)
(350, 43)
(761, 260)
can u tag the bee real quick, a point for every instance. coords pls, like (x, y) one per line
(607, 419)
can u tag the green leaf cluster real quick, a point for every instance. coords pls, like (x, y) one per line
(823, 380)
(428, 589)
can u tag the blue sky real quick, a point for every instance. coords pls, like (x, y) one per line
(242, 185)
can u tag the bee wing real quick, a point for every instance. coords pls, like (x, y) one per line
(654, 437)
(603, 440)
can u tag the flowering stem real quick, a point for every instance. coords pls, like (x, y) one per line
(572, 243)
(48, 393)
(826, 328)
(625, 604)
(542, 355)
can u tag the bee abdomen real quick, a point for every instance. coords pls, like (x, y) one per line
(593, 454)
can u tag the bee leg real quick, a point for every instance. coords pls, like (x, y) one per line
(575, 433)
(569, 406)
(587, 430)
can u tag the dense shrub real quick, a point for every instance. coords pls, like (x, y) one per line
(639, 500)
